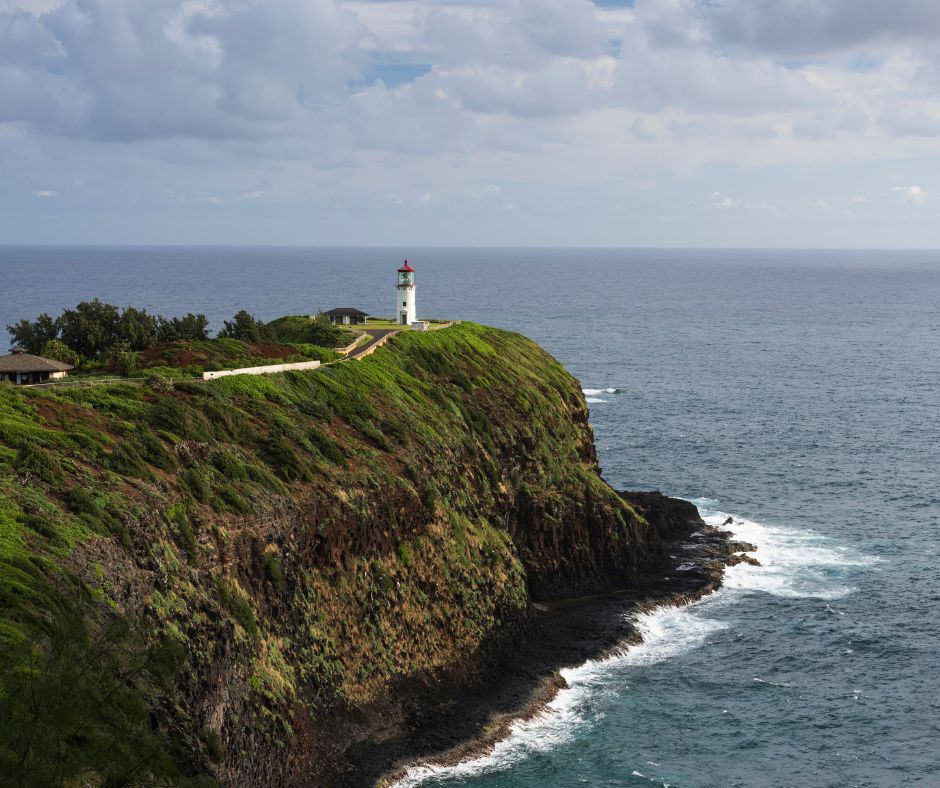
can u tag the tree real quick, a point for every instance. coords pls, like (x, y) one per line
(32, 336)
(246, 328)
(91, 329)
(137, 329)
(57, 350)
(175, 329)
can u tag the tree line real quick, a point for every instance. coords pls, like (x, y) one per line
(95, 330)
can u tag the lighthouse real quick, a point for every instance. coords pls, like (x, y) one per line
(405, 295)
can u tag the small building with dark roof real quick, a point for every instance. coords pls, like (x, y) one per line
(347, 316)
(22, 368)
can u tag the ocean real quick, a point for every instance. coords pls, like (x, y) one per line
(795, 391)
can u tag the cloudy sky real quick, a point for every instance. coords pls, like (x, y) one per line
(485, 122)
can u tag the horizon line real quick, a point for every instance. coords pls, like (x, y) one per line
(215, 245)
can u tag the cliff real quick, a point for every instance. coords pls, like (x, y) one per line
(254, 581)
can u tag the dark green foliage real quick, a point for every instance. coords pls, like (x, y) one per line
(396, 430)
(272, 569)
(260, 475)
(198, 484)
(369, 431)
(176, 329)
(153, 450)
(34, 336)
(137, 328)
(404, 554)
(230, 467)
(176, 416)
(126, 363)
(301, 329)
(315, 352)
(57, 350)
(229, 500)
(430, 495)
(94, 329)
(178, 518)
(40, 462)
(213, 746)
(236, 602)
(126, 460)
(97, 517)
(80, 501)
(246, 328)
(78, 709)
(91, 329)
(44, 525)
(277, 452)
(327, 447)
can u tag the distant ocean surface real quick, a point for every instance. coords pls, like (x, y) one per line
(797, 391)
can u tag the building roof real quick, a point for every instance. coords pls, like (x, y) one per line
(343, 311)
(406, 269)
(18, 361)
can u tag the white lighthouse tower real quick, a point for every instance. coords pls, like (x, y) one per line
(405, 296)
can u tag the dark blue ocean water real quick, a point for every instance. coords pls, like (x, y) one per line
(798, 391)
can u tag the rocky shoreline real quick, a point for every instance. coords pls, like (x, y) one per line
(431, 723)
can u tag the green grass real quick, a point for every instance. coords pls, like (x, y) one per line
(379, 323)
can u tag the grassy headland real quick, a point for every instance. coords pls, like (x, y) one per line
(195, 581)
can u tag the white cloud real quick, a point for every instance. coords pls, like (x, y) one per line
(724, 202)
(912, 194)
(719, 200)
(581, 114)
(45, 194)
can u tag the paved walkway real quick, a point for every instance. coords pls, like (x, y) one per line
(377, 334)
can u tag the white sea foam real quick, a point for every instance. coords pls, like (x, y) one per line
(667, 633)
(595, 392)
(795, 563)
(593, 400)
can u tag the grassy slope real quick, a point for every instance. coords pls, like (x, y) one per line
(184, 577)
(196, 356)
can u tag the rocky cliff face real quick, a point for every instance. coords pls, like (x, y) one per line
(260, 580)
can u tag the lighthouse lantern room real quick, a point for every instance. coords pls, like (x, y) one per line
(405, 295)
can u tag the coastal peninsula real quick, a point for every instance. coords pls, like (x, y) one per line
(314, 577)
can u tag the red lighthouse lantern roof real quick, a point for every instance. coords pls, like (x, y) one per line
(406, 269)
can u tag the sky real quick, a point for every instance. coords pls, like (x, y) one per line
(675, 123)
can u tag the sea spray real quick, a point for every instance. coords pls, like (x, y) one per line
(795, 563)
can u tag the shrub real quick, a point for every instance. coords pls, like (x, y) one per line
(327, 447)
(195, 479)
(41, 463)
(213, 746)
(404, 554)
(246, 328)
(126, 363)
(235, 600)
(159, 382)
(179, 521)
(272, 569)
(126, 460)
(229, 500)
(57, 350)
